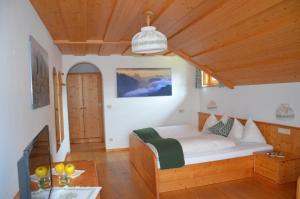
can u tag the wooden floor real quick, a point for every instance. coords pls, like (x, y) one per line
(120, 181)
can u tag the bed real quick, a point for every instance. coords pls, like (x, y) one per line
(201, 167)
(216, 147)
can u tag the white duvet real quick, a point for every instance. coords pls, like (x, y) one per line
(193, 141)
(205, 143)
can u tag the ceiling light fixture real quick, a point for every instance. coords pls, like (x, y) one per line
(149, 40)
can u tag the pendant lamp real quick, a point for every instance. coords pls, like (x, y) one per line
(149, 40)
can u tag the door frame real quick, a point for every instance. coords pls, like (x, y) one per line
(101, 111)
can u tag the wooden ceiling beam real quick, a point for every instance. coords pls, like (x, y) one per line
(90, 42)
(202, 67)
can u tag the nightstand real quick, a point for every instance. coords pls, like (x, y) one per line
(279, 170)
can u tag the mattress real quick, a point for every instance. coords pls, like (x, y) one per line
(240, 149)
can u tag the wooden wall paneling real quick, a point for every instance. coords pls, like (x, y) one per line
(75, 106)
(268, 20)
(91, 106)
(280, 142)
(230, 13)
(61, 114)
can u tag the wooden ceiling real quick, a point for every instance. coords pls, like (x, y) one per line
(240, 42)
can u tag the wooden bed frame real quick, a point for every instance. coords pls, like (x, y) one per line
(158, 181)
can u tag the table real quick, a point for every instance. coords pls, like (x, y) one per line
(88, 179)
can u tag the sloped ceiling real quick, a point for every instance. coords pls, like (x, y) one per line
(240, 42)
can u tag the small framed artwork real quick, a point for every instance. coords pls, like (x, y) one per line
(39, 75)
(144, 82)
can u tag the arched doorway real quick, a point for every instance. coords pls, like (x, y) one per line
(85, 99)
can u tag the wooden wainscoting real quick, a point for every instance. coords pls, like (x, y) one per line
(281, 142)
(205, 173)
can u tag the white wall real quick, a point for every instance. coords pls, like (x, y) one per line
(127, 114)
(19, 123)
(259, 102)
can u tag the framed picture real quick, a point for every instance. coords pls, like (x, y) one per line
(144, 82)
(39, 75)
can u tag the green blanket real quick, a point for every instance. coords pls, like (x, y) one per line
(169, 150)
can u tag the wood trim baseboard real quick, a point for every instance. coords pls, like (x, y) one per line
(117, 149)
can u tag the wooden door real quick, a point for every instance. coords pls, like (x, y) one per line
(75, 106)
(92, 104)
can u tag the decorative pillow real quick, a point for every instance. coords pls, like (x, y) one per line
(237, 130)
(227, 127)
(224, 119)
(210, 121)
(252, 133)
(215, 129)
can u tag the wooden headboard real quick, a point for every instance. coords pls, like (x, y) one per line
(281, 142)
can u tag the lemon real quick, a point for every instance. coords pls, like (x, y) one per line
(69, 169)
(41, 171)
(59, 168)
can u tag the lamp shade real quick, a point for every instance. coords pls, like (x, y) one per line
(149, 40)
(285, 111)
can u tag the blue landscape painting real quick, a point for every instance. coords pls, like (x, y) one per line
(144, 82)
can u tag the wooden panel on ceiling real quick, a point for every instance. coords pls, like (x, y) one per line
(277, 46)
(74, 15)
(182, 14)
(50, 14)
(98, 17)
(79, 49)
(263, 74)
(220, 19)
(109, 49)
(128, 17)
(65, 49)
(133, 12)
(268, 20)
(93, 49)
(157, 7)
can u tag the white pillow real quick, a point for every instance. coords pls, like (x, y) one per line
(224, 119)
(237, 130)
(210, 121)
(252, 133)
